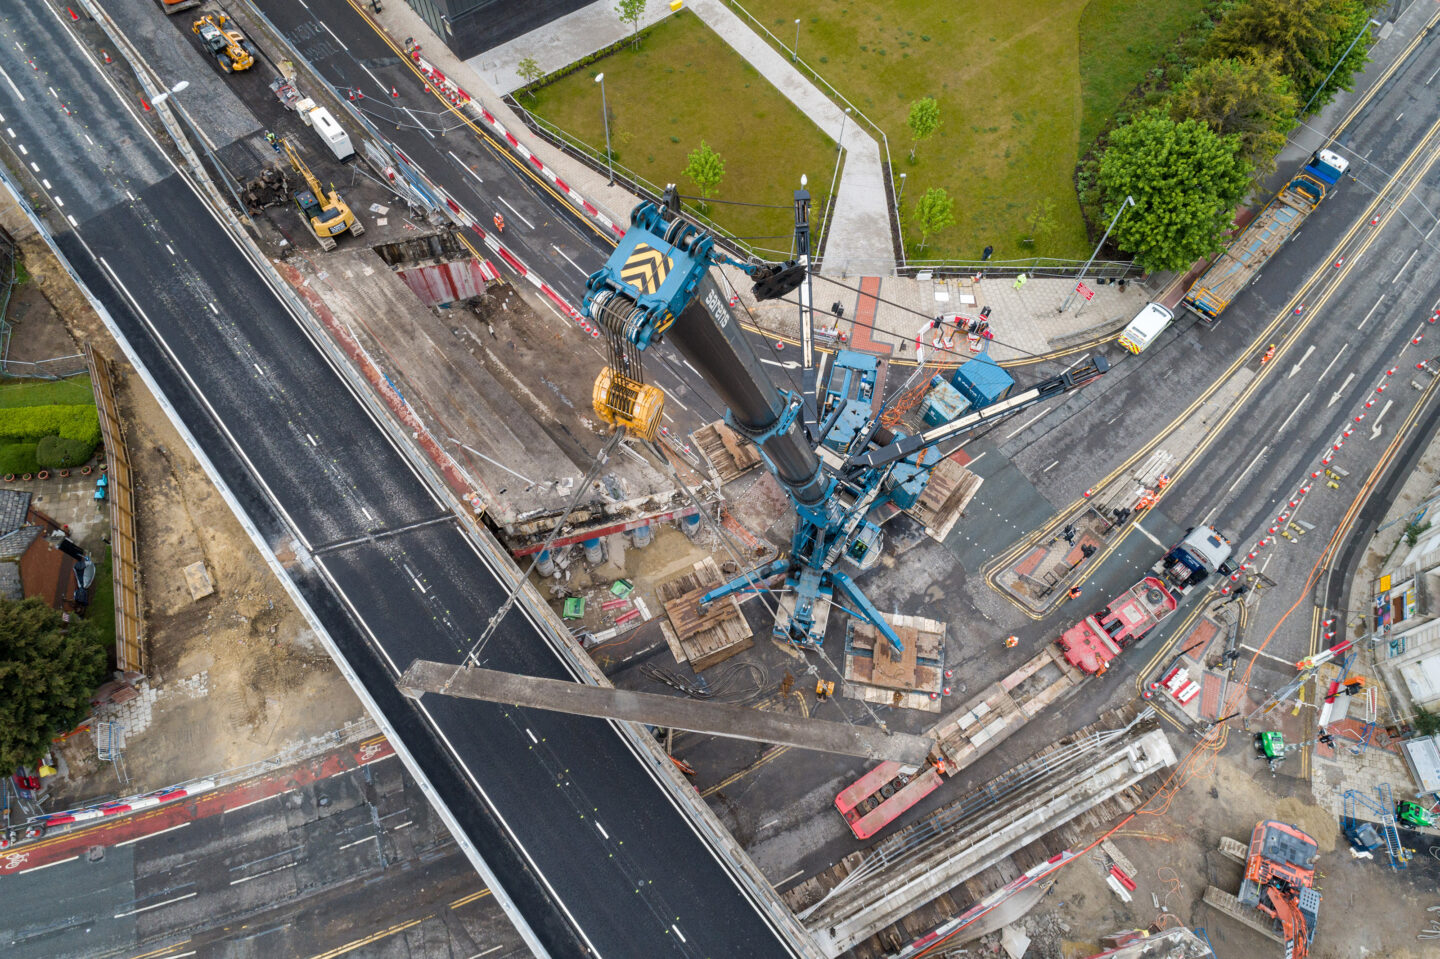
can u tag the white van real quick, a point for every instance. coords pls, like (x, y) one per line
(332, 133)
(1148, 324)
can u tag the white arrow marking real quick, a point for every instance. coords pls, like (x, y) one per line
(783, 364)
(1296, 368)
(1337, 393)
(1375, 432)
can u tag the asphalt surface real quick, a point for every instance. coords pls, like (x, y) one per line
(561, 809)
(301, 873)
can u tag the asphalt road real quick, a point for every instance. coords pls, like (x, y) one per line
(587, 846)
(359, 856)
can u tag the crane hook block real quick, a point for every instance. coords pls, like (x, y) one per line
(621, 401)
(774, 280)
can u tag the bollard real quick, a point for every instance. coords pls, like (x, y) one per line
(594, 551)
(545, 563)
(690, 525)
(641, 536)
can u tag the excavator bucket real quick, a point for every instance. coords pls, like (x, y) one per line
(621, 401)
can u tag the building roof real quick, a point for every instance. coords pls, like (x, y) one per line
(48, 573)
(10, 580)
(14, 542)
(14, 508)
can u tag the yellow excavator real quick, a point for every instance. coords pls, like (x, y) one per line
(329, 215)
(226, 44)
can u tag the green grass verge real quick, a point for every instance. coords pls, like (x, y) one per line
(102, 600)
(684, 85)
(1012, 98)
(75, 391)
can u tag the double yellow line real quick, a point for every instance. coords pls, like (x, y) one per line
(992, 569)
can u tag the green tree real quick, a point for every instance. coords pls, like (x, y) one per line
(529, 71)
(1248, 97)
(48, 669)
(706, 169)
(1186, 181)
(1040, 221)
(933, 212)
(1425, 722)
(923, 121)
(1308, 36)
(630, 11)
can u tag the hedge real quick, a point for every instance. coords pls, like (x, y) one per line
(18, 458)
(57, 452)
(79, 423)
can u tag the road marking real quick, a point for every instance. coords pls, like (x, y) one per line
(487, 952)
(33, 165)
(408, 822)
(250, 803)
(419, 124)
(466, 900)
(332, 33)
(1341, 390)
(783, 364)
(1371, 313)
(418, 584)
(167, 902)
(87, 139)
(2, 118)
(568, 260)
(1051, 467)
(1343, 348)
(1293, 412)
(1301, 362)
(170, 248)
(258, 875)
(678, 932)
(378, 82)
(72, 220)
(53, 93)
(346, 846)
(1375, 432)
(1022, 426)
(214, 309)
(1147, 534)
(602, 829)
(794, 875)
(45, 183)
(12, 85)
(130, 195)
(1432, 76)
(532, 737)
(772, 822)
(692, 368)
(257, 368)
(11, 132)
(367, 514)
(519, 214)
(46, 866)
(152, 835)
(1406, 266)
(1247, 470)
(464, 167)
(311, 439)
(58, 201)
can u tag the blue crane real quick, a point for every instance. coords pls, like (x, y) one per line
(825, 444)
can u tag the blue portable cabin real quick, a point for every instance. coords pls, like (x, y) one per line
(982, 381)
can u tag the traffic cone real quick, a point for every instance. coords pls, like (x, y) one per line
(145, 104)
(106, 55)
(394, 94)
(74, 17)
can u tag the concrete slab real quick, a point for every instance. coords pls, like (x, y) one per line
(715, 719)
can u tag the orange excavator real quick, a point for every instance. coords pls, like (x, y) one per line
(1279, 882)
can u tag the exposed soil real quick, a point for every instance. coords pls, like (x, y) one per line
(234, 676)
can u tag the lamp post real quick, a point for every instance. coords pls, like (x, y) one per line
(1129, 202)
(902, 190)
(1366, 26)
(840, 143)
(181, 87)
(795, 50)
(605, 115)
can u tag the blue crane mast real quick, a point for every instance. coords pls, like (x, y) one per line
(825, 445)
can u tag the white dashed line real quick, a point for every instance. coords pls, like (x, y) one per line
(257, 368)
(532, 737)
(332, 33)
(88, 140)
(47, 865)
(258, 875)
(349, 844)
(679, 933)
(71, 219)
(214, 310)
(419, 124)
(59, 202)
(464, 167)
(602, 829)
(130, 195)
(53, 93)
(45, 183)
(1021, 428)
(188, 895)
(517, 213)
(311, 439)
(170, 248)
(33, 165)
(567, 259)
(12, 83)
(1146, 533)
(153, 834)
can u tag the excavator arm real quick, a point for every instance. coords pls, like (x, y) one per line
(1292, 922)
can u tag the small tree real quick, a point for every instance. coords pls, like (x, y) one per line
(630, 11)
(923, 121)
(529, 71)
(933, 212)
(48, 669)
(706, 169)
(1425, 722)
(1040, 221)
(1247, 96)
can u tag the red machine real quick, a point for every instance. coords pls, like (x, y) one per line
(1279, 881)
(1093, 642)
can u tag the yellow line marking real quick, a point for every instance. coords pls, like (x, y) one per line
(774, 753)
(466, 900)
(373, 937)
(162, 950)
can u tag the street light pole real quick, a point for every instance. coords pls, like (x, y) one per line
(795, 50)
(224, 172)
(1363, 28)
(605, 115)
(1129, 202)
(902, 190)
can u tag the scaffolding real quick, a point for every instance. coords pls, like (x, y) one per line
(1384, 811)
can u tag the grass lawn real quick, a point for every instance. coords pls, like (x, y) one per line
(1018, 101)
(101, 611)
(683, 85)
(75, 391)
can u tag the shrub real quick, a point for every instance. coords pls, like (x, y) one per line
(80, 423)
(18, 458)
(55, 452)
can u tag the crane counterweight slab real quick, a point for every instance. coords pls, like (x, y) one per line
(714, 719)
